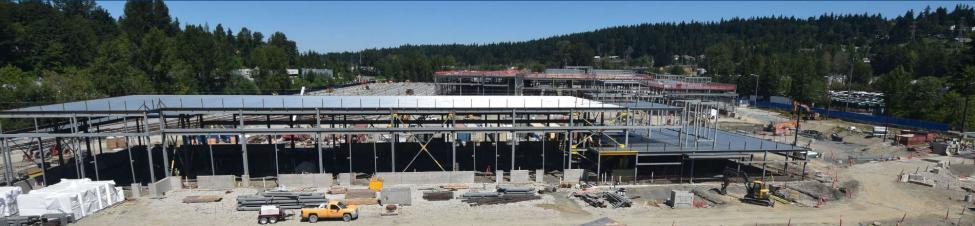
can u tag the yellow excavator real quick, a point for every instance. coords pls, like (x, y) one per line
(758, 192)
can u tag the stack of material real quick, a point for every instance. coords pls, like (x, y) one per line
(502, 196)
(617, 200)
(517, 190)
(438, 195)
(591, 198)
(81, 197)
(337, 190)
(8, 200)
(361, 197)
(282, 199)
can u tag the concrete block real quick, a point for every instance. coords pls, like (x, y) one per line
(499, 176)
(396, 195)
(904, 177)
(539, 176)
(448, 177)
(136, 191)
(519, 176)
(573, 175)
(681, 199)
(305, 180)
(345, 179)
(218, 182)
(245, 180)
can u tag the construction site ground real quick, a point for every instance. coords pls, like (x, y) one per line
(881, 198)
(874, 195)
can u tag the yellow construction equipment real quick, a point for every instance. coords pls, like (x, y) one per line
(375, 184)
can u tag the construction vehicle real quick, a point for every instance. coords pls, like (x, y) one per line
(779, 129)
(333, 209)
(270, 214)
(757, 191)
(810, 115)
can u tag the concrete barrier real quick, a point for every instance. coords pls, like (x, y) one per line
(499, 176)
(161, 187)
(218, 182)
(573, 175)
(449, 177)
(519, 176)
(345, 179)
(540, 176)
(396, 195)
(305, 180)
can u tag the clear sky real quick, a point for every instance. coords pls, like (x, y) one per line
(327, 26)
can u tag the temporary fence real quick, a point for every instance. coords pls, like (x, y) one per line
(872, 119)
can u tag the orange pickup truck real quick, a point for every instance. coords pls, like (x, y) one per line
(331, 210)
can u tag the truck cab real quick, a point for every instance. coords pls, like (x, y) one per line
(330, 210)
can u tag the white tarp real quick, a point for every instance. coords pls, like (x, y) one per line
(8, 200)
(80, 197)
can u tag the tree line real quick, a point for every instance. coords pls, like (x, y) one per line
(64, 50)
(923, 61)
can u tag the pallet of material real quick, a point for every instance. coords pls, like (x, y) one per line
(504, 199)
(360, 193)
(202, 198)
(438, 195)
(337, 190)
(362, 201)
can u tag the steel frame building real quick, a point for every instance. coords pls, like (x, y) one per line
(578, 125)
(592, 84)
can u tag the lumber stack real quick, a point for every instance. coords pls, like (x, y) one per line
(282, 199)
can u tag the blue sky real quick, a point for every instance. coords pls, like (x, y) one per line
(326, 26)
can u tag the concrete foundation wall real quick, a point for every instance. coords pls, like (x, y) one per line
(519, 176)
(396, 195)
(573, 175)
(305, 180)
(345, 179)
(160, 187)
(219, 182)
(427, 177)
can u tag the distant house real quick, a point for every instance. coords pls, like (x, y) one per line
(247, 73)
(292, 72)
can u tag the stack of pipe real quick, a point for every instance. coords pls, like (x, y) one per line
(517, 191)
(282, 199)
(501, 196)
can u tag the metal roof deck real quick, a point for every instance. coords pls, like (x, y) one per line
(143, 103)
(666, 141)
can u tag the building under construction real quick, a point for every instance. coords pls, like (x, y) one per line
(603, 85)
(145, 138)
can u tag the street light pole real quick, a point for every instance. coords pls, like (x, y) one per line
(756, 89)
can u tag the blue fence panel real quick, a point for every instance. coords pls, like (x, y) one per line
(874, 119)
